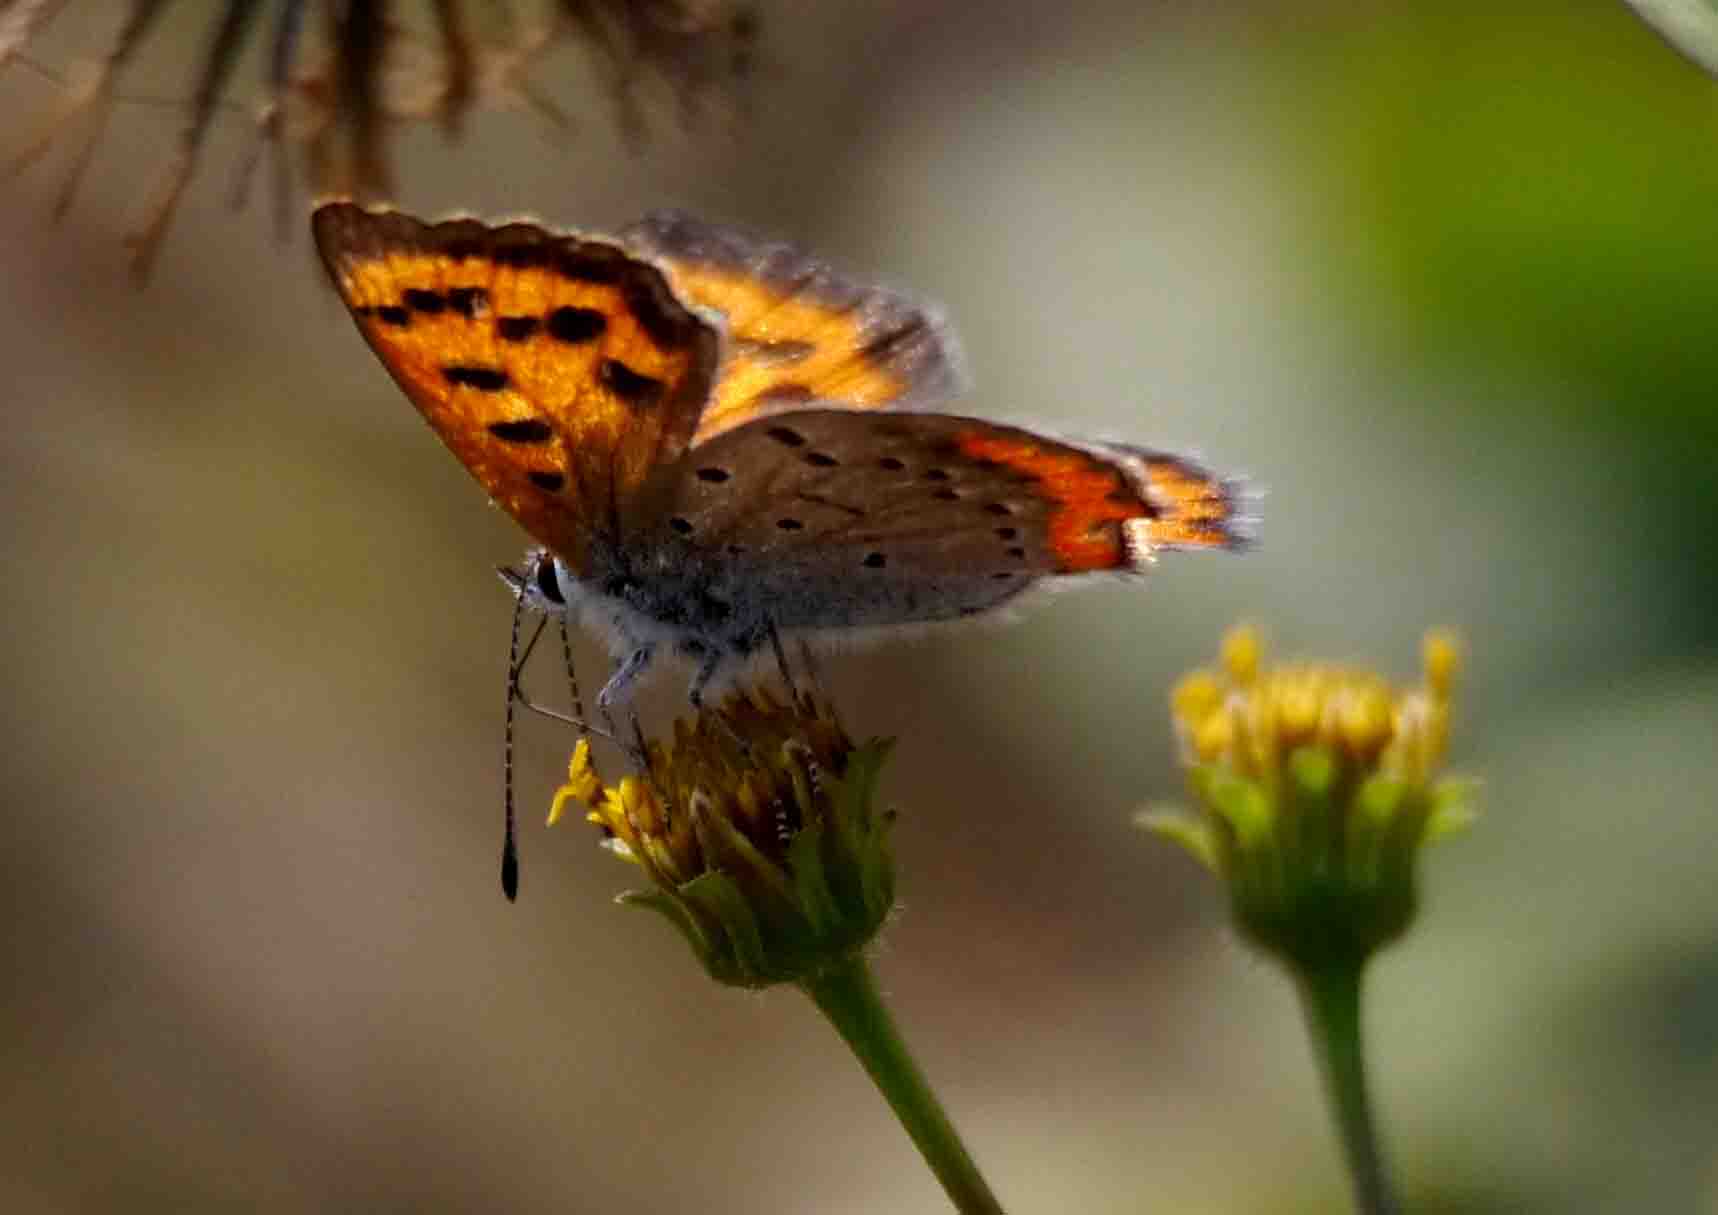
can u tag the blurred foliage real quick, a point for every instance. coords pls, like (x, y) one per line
(1531, 189)
(341, 78)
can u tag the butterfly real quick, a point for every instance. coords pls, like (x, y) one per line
(719, 440)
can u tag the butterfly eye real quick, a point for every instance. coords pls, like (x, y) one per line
(548, 583)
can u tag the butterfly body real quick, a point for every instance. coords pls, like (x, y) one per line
(720, 440)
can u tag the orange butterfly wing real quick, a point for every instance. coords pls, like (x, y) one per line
(560, 370)
(800, 334)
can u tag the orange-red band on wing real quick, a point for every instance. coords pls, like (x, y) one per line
(1091, 499)
(1183, 507)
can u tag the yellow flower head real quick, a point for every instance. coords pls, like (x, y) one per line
(1317, 790)
(1249, 718)
(755, 826)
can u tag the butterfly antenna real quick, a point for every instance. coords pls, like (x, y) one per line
(509, 842)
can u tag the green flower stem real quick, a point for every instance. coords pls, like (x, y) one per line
(847, 994)
(1330, 996)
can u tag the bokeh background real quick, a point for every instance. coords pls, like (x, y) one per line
(1440, 277)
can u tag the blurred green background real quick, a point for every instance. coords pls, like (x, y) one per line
(1441, 278)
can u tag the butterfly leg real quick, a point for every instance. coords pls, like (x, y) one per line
(576, 718)
(781, 663)
(814, 672)
(708, 665)
(573, 677)
(619, 686)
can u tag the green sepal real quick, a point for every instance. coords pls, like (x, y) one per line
(675, 911)
(720, 896)
(1311, 838)
(1379, 798)
(1193, 835)
(811, 887)
(865, 831)
(1380, 805)
(714, 830)
(1452, 809)
(855, 794)
(1242, 804)
(1314, 769)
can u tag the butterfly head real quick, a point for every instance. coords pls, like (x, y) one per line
(537, 582)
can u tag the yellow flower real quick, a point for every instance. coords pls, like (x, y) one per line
(1317, 787)
(756, 828)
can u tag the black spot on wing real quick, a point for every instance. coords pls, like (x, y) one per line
(395, 315)
(469, 302)
(551, 481)
(573, 325)
(786, 436)
(715, 476)
(486, 379)
(516, 328)
(639, 391)
(427, 302)
(524, 430)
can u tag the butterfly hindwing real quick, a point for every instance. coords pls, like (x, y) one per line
(837, 518)
(799, 333)
(560, 370)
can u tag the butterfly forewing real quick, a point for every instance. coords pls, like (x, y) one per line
(799, 333)
(561, 371)
(718, 437)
